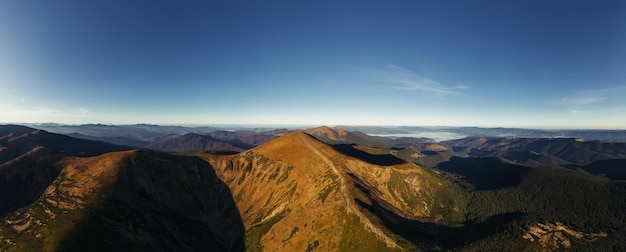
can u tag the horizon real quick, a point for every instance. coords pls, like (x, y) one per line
(489, 64)
(308, 126)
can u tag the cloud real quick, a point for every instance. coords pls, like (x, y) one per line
(593, 97)
(601, 102)
(583, 100)
(43, 114)
(399, 78)
(577, 112)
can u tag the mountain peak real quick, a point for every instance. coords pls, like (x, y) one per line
(282, 184)
(292, 146)
(327, 132)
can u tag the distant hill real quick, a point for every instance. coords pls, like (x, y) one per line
(251, 138)
(18, 140)
(195, 142)
(341, 135)
(141, 132)
(175, 139)
(540, 151)
(123, 141)
(589, 134)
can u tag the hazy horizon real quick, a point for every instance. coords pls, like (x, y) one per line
(513, 64)
(442, 128)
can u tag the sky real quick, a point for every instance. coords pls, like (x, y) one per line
(527, 64)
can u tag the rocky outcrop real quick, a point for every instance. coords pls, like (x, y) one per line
(557, 236)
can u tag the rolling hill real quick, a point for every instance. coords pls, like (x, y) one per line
(540, 151)
(195, 142)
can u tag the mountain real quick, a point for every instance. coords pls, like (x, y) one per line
(129, 201)
(251, 138)
(462, 132)
(27, 156)
(326, 132)
(195, 142)
(174, 139)
(539, 151)
(68, 194)
(417, 150)
(123, 141)
(298, 193)
(341, 135)
(141, 132)
(611, 168)
(18, 140)
(304, 192)
(520, 208)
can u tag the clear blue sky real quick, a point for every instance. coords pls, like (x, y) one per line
(555, 64)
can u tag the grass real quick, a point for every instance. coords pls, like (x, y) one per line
(256, 232)
(293, 232)
(354, 237)
(326, 191)
(401, 187)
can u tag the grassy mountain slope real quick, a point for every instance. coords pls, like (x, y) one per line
(298, 193)
(134, 200)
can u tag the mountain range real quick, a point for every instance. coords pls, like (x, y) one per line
(317, 189)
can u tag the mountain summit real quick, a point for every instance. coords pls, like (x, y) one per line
(299, 193)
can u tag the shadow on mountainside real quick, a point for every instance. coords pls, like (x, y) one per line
(486, 173)
(25, 179)
(611, 168)
(161, 202)
(383, 159)
(431, 236)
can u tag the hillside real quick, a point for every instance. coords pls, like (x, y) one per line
(298, 193)
(540, 151)
(132, 201)
(196, 142)
(341, 135)
(249, 138)
(68, 194)
(18, 140)
(520, 208)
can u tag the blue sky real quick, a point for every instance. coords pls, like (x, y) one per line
(533, 64)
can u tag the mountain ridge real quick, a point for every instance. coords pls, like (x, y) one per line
(302, 191)
(317, 176)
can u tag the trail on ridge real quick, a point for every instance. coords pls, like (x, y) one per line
(350, 205)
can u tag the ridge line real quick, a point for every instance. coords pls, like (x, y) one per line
(350, 207)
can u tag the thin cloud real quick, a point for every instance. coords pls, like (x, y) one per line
(402, 79)
(598, 102)
(578, 112)
(583, 100)
(44, 114)
(593, 97)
